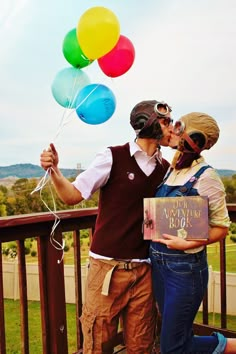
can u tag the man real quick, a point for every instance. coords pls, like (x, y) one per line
(119, 277)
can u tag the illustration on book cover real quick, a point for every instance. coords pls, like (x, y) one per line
(185, 217)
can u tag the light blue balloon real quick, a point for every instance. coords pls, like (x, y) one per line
(95, 104)
(66, 85)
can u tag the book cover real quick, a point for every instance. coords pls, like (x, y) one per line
(185, 217)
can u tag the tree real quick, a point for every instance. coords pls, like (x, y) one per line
(230, 188)
(3, 208)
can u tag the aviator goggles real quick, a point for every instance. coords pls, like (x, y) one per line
(160, 105)
(179, 127)
(179, 130)
(167, 121)
(158, 114)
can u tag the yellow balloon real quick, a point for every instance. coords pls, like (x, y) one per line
(98, 32)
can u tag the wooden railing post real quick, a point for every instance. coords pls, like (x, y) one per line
(223, 284)
(52, 295)
(78, 288)
(23, 298)
(2, 317)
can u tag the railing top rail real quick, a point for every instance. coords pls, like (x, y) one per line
(231, 206)
(24, 219)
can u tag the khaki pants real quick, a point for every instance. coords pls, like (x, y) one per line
(130, 297)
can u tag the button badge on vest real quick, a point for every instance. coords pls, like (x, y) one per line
(130, 175)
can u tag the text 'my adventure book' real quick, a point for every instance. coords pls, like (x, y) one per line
(185, 216)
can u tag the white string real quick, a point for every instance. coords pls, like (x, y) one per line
(46, 178)
(42, 183)
(65, 121)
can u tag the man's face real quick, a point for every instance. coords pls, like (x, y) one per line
(166, 126)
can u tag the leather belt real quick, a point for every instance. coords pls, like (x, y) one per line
(116, 264)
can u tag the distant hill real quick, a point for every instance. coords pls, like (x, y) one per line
(226, 173)
(28, 170)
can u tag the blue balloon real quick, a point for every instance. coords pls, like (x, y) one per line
(66, 85)
(95, 104)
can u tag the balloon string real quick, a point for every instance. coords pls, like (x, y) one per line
(46, 178)
(42, 183)
(66, 121)
(90, 93)
(85, 58)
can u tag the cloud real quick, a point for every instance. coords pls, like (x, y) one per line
(10, 10)
(185, 54)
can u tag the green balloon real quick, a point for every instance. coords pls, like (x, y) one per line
(72, 51)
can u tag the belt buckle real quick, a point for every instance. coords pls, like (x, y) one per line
(127, 266)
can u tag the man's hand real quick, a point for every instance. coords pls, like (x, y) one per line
(49, 158)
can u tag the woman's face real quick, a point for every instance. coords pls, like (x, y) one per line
(174, 140)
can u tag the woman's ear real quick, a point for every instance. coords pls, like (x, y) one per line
(198, 138)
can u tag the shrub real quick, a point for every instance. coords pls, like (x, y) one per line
(5, 251)
(27, 250)
(233, 238)
(66, 247)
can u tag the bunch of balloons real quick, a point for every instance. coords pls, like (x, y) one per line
(96, 37)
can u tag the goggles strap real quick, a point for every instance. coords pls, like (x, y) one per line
(194, 146)
(151, 120)
(156, 115)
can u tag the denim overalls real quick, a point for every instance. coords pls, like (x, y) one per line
(180, 280)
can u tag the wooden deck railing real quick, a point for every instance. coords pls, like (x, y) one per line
(51, 277)
(204, 328)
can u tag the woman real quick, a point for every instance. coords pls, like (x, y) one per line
(180, 270)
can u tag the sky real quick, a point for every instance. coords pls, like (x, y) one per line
(185, 54)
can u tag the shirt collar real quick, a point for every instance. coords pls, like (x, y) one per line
(134, 148)
(199, 160)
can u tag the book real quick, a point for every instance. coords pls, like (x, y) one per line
(185, 216)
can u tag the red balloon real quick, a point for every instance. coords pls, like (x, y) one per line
(119, 60)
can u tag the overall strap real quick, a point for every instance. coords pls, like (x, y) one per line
(183, 190)
(168, 172)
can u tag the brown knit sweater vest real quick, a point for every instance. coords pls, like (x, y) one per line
(118, 231)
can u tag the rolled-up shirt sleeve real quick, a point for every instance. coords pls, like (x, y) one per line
(211, 185)
(96, 175)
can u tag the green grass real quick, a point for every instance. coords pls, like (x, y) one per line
(13, 330)
(214, 320)
(12, 309)
(12, 321)
(213, 252)
(213, 256)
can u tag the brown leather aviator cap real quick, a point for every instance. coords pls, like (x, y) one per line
(197, 122)
(144, 118)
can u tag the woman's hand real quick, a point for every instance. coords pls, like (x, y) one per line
(174, 242)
